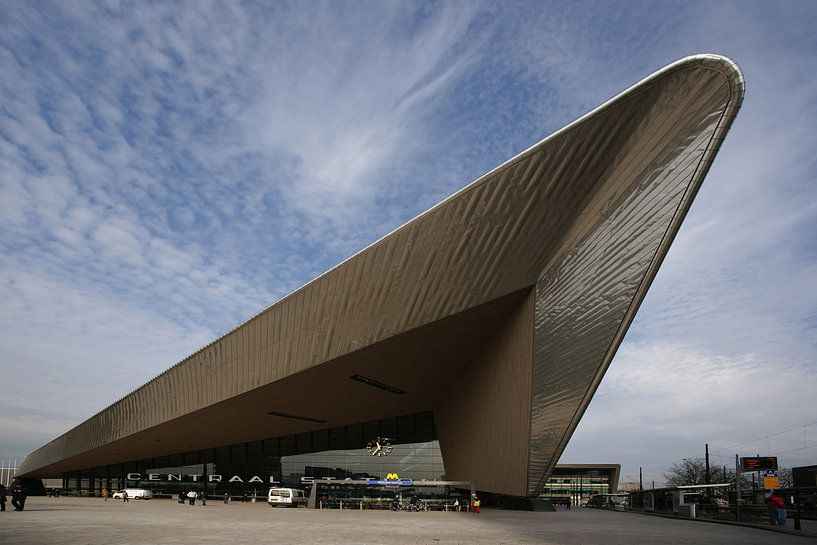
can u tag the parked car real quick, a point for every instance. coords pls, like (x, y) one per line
(133, 494)
(287, 497)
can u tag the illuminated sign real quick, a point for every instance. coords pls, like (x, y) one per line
(391, 483)
(392, 477)
(758, 463)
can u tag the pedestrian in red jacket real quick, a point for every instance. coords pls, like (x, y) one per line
(778, 506)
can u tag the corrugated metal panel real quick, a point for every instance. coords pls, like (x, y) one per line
(586, 301)
(544, 218)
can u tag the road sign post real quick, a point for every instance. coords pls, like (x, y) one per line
(737, 487)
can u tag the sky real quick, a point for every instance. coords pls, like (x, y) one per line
(167, 170)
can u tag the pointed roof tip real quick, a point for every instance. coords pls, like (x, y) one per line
(730, 69)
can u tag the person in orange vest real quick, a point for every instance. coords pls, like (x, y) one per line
(778, 506)
(475, 503)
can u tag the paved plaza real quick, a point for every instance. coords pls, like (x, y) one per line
(91, 521)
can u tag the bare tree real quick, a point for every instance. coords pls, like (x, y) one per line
(785, 477)
(691, 471)
(686, 472)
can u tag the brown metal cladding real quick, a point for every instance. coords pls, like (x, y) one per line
(586, 300)
(482, 420)
(584, 217)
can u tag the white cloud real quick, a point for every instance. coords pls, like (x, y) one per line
(70, 350)
(660, 403)
(341, 119)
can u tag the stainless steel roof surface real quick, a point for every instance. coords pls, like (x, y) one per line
(586, 299)
(584, 217)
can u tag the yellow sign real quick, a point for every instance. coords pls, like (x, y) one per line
(392, 477)
(771, 482)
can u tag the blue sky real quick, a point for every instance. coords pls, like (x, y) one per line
(168, 170)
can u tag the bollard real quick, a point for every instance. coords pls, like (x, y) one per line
(361, 506)
(320, 504)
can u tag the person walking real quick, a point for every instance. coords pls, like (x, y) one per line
(457, 504)
(226, 498)
(18, 498)
(475, 503)
(125, 496)
(191, 498)
(2, 497)
(203, 497)
(778, 506)
(104, 494)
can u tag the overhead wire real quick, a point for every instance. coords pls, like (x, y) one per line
(713, 452)
(794, 450)
(803, 426)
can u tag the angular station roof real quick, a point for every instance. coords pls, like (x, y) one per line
(526, 278)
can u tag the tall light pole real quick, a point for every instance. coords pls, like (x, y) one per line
(706, 475)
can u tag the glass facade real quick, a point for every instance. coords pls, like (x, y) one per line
(576, 485)
(290, 461)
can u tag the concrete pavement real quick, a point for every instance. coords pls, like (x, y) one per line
(92, 521)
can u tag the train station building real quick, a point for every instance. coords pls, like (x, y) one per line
(465, 345)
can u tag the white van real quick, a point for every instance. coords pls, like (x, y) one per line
(133, 494)
(288, 497)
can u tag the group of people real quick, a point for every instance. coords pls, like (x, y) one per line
(476, 504)
(192, 496)
(18, 497)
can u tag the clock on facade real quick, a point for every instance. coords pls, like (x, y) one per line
(380, 446)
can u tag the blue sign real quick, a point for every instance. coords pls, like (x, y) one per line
(392, 483)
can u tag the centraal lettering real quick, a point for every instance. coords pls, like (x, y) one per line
(198, 477)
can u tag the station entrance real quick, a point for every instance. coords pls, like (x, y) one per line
(395, 494)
